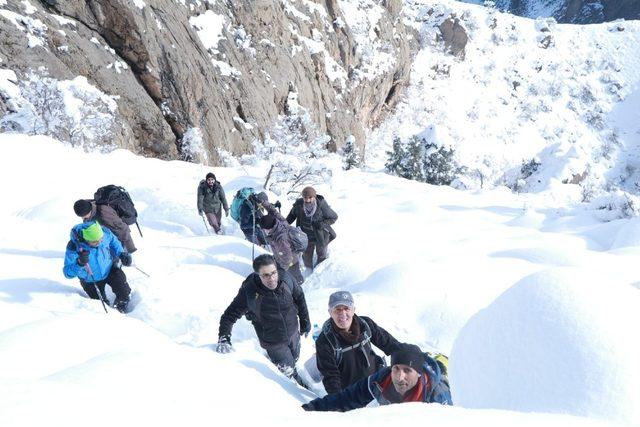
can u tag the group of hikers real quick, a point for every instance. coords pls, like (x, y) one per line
(272, 298)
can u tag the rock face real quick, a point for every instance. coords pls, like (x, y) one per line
(571, 11)
(226, 68)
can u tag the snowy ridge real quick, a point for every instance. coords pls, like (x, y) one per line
(423, 261)
(524, 90)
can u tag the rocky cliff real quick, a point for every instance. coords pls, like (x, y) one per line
(219, 70)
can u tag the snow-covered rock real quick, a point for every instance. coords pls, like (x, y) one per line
(560, 341)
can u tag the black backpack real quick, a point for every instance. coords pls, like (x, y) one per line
(338, 350)
(119, 200)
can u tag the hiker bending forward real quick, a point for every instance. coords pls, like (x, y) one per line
(273, 302)
(412, 377)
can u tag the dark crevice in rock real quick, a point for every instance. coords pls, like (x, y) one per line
(131, 52)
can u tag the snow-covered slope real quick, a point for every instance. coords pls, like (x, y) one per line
(421, 260)
(564, 96)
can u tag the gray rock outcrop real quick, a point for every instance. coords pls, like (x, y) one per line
(170, 74)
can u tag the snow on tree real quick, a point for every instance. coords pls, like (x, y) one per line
(69, 110)
(350, 154)
(294, 148)
(192, 146)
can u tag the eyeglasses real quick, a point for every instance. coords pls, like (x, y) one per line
(269, 275)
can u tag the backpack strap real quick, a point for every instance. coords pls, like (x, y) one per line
(338, 350)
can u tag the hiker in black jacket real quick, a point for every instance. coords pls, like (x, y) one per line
(314, 216)
(273, 302)
(343, 349)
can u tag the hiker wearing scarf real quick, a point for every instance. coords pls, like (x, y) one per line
(413, 377)
(314, 216)
(344, 353)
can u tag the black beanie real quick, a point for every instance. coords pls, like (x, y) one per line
(268, 221)
(410, 355)
(210, 175)
(82, 207)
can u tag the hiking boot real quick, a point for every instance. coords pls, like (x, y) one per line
(121, 305)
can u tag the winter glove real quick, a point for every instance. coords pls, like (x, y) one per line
(224, 345)
(308, 406)
(262, 197)
(277, 204)
(305, 328)
(83, 258)
(126, 259)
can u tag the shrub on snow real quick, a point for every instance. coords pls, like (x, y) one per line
(73, 111)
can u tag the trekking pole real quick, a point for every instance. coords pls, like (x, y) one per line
(139, 231)
(136, 267)
(95, 284)
(253, 240)
(205, 224)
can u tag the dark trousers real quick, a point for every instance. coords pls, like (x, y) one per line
(284, 355)
(214, 219)
(307, 255)
(116, 279)
(258, 238)
(295, 272)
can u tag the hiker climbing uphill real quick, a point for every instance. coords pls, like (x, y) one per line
(91, 256)
(276, 307)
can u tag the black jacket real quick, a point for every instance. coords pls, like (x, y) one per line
(354, 364)
(318, 227)
(273, 313)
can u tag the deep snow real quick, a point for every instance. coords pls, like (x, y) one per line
(423, 261)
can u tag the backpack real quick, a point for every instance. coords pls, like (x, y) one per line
(365, 344)
(118, 198)
(298, 238)
(240, 197)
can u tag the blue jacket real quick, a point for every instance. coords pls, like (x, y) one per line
(100, 258)
(361, 393)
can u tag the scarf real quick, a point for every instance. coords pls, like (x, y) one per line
(309, 208)
(351, 336)
(414, 395)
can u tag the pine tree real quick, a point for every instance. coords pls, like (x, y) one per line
(439, 166)
(413, 165)
(350, 154)
(395, 158)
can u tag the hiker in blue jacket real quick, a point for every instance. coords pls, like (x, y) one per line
(412, 377)
(91, 256)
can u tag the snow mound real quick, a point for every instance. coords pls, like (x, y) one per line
(557, 341)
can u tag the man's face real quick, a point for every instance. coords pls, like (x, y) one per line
(404, 378)
(342, 316)
(309, 199)
(211, 181)
(269, 276)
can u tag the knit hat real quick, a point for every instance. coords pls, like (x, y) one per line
(308, 192)
(410, 355)
(82, 207)
(210, 175)
(341, 298)
(268, 222)
(93, 232)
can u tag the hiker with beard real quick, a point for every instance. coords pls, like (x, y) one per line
(344, 352)
(413, 377)
(314, 216)
(211, 201)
